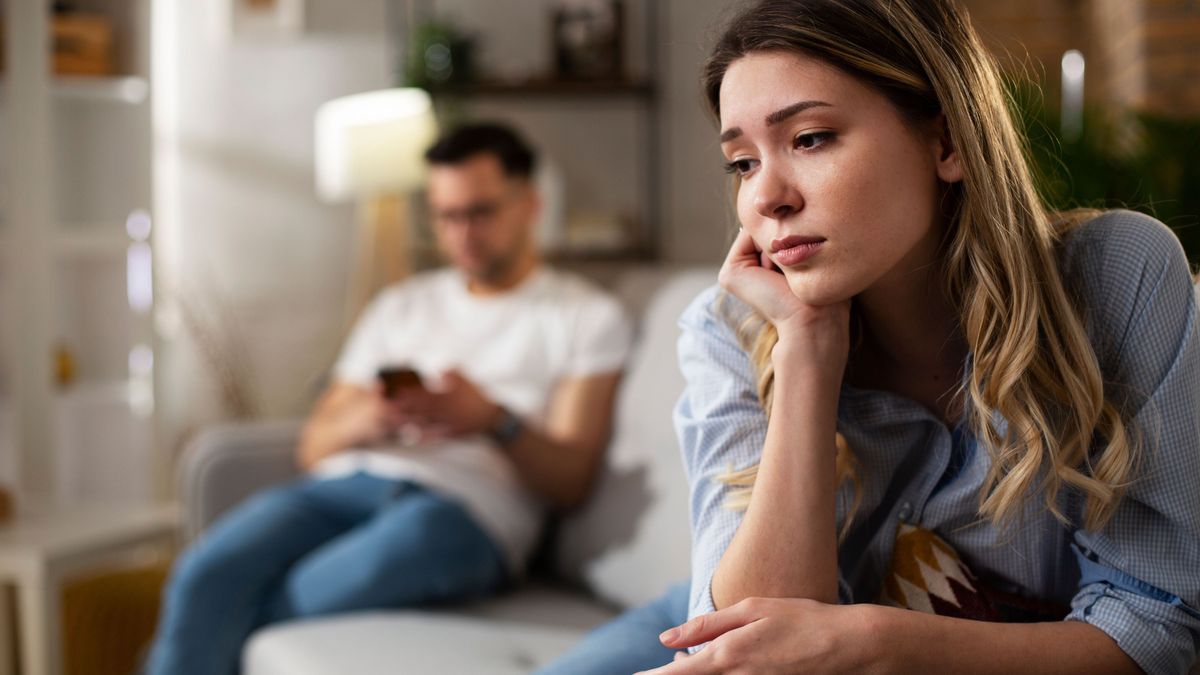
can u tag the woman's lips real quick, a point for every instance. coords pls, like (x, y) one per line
(795, 249)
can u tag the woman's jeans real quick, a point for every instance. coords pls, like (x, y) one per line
(628, 643)
(311, 548)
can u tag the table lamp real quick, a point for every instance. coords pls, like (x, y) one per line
(370, 147)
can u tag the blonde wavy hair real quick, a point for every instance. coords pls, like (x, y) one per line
(1033, 365)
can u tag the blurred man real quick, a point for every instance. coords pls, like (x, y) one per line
(500, 376)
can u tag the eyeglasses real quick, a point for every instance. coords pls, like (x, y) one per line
(478, 213)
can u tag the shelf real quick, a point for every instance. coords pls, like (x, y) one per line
(121, 89)
(550, 89)
(128, 89)
(95, 393)
(91, 241)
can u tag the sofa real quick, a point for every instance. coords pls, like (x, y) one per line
(624, 548)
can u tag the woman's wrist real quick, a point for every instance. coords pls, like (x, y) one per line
(807, 363)
(883, 638)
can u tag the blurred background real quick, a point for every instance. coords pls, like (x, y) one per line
(166, 260)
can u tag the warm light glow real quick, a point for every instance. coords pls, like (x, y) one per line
(371, 143)
(141, 381)
(1072, 94)
(137, 225)
(139, 277)
(141, 361)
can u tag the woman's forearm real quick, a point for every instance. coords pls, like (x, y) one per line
(916, 642)
(786, 545)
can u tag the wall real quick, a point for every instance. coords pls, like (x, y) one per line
(1171, 40)
(248, 258)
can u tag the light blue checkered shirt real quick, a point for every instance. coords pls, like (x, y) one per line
(1138, 580)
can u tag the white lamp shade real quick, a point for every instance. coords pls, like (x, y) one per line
(371, 143)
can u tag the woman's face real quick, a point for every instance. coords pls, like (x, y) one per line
(836, 187)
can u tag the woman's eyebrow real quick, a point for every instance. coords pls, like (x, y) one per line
(794, 109)
(776, 117)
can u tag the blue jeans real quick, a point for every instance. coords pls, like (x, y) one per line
(311, 548)
(628, 643)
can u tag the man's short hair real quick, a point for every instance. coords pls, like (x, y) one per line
(468, 140)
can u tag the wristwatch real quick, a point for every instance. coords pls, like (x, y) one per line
(507, 427)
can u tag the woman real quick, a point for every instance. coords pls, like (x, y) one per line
(918, 388)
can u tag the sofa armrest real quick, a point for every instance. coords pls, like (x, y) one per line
(225, 464)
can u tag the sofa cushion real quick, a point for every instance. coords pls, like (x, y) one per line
(514, 633)
(632, 539)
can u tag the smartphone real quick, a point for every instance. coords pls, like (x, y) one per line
(397, 378)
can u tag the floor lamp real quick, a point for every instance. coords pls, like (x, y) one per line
(370, 148)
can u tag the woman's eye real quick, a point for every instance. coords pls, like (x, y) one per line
(812, 140)
(740, 167)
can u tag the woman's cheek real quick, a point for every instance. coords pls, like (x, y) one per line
(748, 218)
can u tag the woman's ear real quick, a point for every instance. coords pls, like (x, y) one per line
(945, 154)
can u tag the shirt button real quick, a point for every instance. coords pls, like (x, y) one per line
(906, 511)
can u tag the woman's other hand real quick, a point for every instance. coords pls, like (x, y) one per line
(776, 635)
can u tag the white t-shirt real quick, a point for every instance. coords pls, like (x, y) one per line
(515, 347)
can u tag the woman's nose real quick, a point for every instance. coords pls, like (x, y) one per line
(777, 196)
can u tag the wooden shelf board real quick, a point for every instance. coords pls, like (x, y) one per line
(129, 89)
(81, 243)
(93, 392)
(122, 89)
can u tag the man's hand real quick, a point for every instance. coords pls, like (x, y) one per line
(556, 460)
(455, 408)
(346, 416)
(774, 635)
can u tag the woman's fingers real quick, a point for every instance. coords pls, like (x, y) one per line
(751, 276)
(708, 627)
(743, 251)
(685, 664)
(766, 262)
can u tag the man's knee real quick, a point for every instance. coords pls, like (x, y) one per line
(267, 503)
(197, 572)
(426, 518)
(222, 550)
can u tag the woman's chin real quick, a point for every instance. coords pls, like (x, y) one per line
(817, 291)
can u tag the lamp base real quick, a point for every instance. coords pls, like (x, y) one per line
(382, 250)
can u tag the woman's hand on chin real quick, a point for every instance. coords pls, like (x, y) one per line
(817, 334)
(777, 635)
(751, 276)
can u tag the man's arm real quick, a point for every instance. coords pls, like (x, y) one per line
(345, 416)
(556, 461)
(559, 462)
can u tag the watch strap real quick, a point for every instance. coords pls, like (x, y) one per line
(507, 427)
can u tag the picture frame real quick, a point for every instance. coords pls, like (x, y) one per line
(588, 39)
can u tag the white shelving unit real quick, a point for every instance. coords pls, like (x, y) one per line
(76, 263)
(132, 89)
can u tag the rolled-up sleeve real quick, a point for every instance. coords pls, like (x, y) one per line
(1140, 575)
(721, 427)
